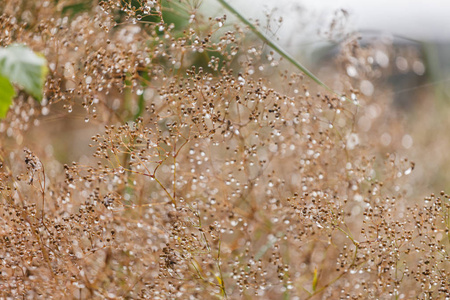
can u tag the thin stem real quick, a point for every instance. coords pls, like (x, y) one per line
(356, 243)
(174, 169)
(326, 285)
(42, 185)
(222, 283)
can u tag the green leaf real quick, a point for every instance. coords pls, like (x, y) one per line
(278, 49)
(7, 93)
(25, 68)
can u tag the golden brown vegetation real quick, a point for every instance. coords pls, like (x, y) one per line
(214, 173)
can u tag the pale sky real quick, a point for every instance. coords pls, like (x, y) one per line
(425, 20)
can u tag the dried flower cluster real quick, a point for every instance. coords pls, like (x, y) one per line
(214, 173)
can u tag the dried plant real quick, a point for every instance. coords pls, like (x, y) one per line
(217, 170)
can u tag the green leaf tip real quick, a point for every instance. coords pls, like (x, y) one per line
(7, 94)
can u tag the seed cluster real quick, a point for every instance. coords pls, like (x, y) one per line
(214, 172)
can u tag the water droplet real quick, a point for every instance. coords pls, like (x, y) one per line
(351, 71)
(45, 110)
(352, 141)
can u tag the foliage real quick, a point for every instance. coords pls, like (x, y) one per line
(21, 66)
(7, 93)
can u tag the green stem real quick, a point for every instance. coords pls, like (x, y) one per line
(278, 49)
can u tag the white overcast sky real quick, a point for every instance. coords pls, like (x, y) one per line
(424, 20)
